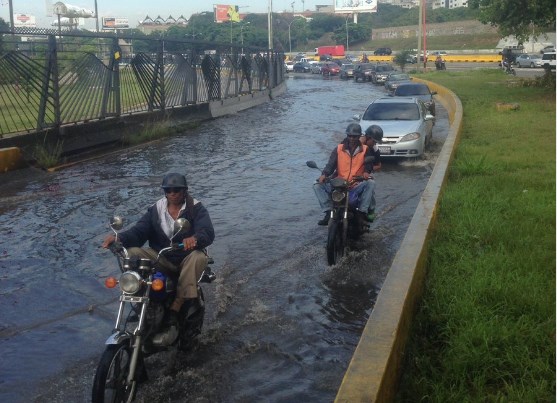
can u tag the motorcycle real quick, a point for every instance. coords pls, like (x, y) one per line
(508, 68)
(146, 295)
(344, 223)
(440, 65)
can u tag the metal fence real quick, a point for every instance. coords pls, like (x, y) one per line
(49, 79)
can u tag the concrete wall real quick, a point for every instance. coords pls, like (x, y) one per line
(374, 370)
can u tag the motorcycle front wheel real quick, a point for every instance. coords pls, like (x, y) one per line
(109, 385)
(335, 244)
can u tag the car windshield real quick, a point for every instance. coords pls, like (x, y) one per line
(406, 90)
(392, 111)
(398, 77)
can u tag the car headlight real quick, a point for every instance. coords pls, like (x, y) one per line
(130, 282)
(410, 137)
(337, 196)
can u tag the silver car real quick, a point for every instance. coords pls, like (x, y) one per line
(406, 122)
(418, 90)
(528, 60)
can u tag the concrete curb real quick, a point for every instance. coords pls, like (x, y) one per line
(374, 370)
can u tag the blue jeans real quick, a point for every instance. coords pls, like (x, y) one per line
(365, 188)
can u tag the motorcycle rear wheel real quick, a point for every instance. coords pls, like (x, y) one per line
(335, 244)
(109, 384)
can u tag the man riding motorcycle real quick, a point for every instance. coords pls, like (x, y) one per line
(156, 227)
(348, 160)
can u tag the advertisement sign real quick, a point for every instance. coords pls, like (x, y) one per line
(25, 20)
(226, 12)
(355, 6)
(115, 23)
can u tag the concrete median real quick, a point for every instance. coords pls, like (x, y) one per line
(374, 370)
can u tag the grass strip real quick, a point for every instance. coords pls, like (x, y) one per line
(485, 328)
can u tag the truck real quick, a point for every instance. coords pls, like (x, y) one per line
(334, 51)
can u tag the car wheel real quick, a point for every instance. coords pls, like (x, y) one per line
(532, 65)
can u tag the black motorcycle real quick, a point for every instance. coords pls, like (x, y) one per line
(344, 223)
(146, 296)
(440, 65)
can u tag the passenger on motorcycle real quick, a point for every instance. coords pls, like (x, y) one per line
(348, 160)
(156, 227)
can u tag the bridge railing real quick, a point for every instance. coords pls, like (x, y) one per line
(50, 79)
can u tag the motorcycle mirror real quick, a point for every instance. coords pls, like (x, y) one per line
(181, 224)
(311, 164)
(116, 223)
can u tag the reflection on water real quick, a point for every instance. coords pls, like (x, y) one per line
(281, 325)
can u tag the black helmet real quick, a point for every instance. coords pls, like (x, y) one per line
(354, 129)
(375, 132)
(174, 180)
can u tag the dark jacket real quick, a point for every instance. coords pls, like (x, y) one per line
(148, 228)
(331, 166)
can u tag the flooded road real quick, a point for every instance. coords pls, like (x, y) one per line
(281, 325)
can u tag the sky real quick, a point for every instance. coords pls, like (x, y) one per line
(136, 10)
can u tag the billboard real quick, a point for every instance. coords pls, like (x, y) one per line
(25, 20)
(355, 6)
(115, 23)
(226, 12)
(67, 10)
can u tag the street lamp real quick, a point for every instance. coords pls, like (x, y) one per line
(347, 32)
(289, 38)
(242, 34)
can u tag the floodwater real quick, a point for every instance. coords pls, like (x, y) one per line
(281, 325)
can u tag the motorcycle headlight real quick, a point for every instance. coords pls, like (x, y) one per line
(410, 137)
(130, 282)
(337, 196)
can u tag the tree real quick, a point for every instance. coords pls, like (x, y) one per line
(517, 17)
(401, 58)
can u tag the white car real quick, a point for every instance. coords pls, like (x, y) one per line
(406, 122)
(289, 66)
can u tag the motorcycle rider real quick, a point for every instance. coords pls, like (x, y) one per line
(373, 136)
(156, 227)
(348, 160)
(439, 62)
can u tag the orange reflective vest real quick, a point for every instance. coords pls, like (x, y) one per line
(349, 166)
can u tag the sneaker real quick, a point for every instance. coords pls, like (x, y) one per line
(169, 335)
(325, 220)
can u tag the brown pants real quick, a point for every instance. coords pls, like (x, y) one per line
(189, 271)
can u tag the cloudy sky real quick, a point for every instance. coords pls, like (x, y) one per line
(136, 10)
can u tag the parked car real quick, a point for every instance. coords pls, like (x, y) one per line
(381, 72)
(382, 52)
(289, 65)
(395, 79)
(302, 67)
(441, 53)
(346, 71)
(418, 90)
(316, 68)
(407, 125)
(548, 48)
(330, 69)
(528, 60)
(548, 60)
(363, 71)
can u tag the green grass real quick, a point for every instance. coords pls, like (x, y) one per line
(485, 330)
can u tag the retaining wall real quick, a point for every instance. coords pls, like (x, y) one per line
(374, 370)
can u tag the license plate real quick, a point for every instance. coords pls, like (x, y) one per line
(384, 150)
